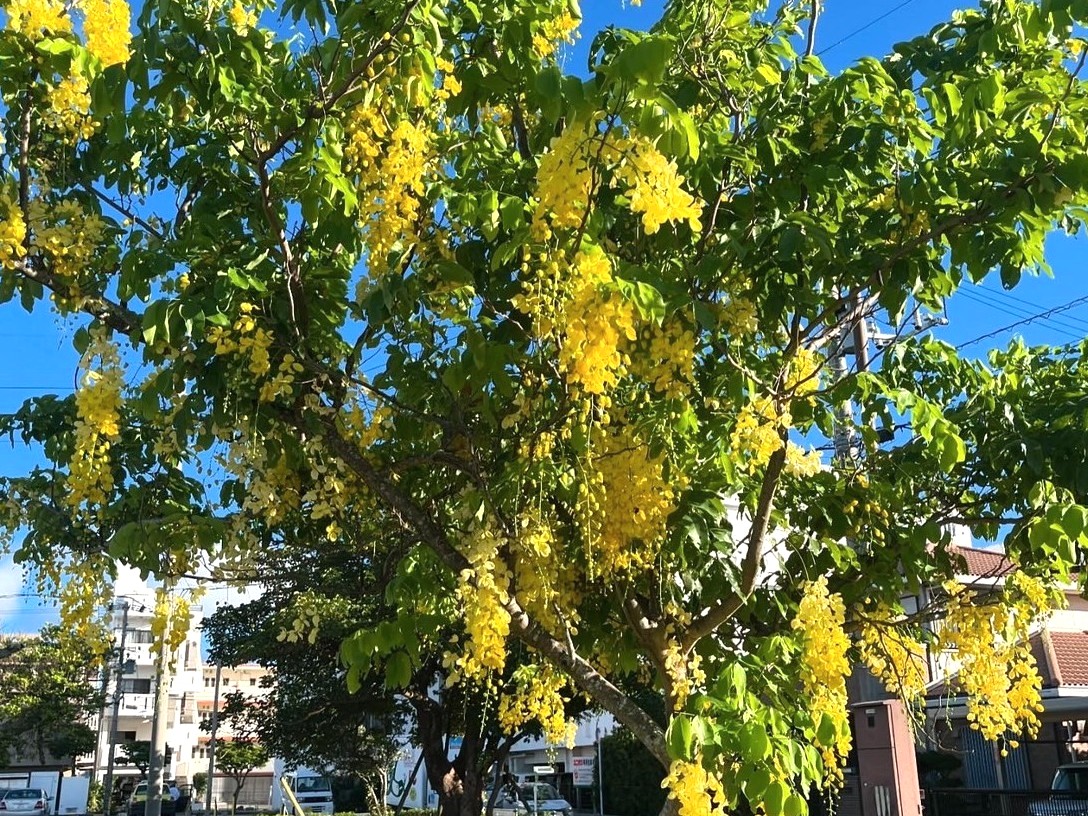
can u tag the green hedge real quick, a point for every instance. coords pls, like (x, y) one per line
(632, 777)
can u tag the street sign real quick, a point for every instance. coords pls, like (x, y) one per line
(543, 770)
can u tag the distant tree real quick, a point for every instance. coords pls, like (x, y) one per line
(138, 754)
(45, 699)
(238, 758)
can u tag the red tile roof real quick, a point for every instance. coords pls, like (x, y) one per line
(1062, 658)
(1066, 658)
(983, 563)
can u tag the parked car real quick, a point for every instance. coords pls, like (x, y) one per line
(520, 800)
(1068, 793)
(26, 800)
(137, 803)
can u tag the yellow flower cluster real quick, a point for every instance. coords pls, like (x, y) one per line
(625, 505)
(106, 26)
(538, 697)
(82, 595)
(893, 655)
(451, 85)
(996, 667)
(392, 164)
(685, 674)
(273, 487)
(12, 233)
(654, 187)
(98, 424)
(802, 463)
(368, 429)
(803, 373)
(570, 172)
(68, 237)
(552, 32)
(36, 19)
(248, 340)
(696, 792)
(824, 669)
(597, 323)
(282, 384)
(739, 317)
(758, 433)
(483, 591)
(241, 19)
(169, 623)
(68, 110)
(565, 181)
(547, 584)
(671, 359)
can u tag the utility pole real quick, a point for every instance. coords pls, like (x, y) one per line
(157, 759)
(107, 670)
(107, 788)
(211, 742)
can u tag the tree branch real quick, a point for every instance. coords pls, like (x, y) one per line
(714, 616)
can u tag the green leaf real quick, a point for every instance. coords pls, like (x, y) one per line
(827, 731)
(398, 670)
(774, 798)
(769, 74)
(644, 61)
(754, 742)
(794, 806)
(680, 738)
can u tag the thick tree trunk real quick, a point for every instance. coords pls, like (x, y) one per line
(670, 808)
(458, 781)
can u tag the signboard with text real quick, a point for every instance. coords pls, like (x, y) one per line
(582, 771)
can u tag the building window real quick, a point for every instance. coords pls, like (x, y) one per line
(126, 736)
(140, 636)
(135, 685)
(253, 681)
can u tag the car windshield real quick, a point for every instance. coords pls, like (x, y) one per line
(1071, 779)
(312, 784)
(24, 794)
(543, 791)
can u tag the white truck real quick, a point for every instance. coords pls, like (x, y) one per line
(312, 789)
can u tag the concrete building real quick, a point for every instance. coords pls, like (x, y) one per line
(574, 767)
(131, 686)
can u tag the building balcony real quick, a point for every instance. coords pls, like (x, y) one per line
(137, 705)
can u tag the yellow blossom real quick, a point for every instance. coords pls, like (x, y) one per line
(654, 187)
(12, 233)
(69, 108)
(824, 668)
(106, 25)
(552, 32)
(697, 792)
(241, 19)
(38, 18)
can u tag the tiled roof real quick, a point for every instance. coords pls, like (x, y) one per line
(1066, 658)
(1062, 658)
(984, 563)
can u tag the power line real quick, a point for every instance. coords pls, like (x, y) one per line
(1030, 319)
(1021, 302)
(865, 27)
(1053, 324)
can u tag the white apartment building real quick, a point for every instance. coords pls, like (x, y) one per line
(130, 700)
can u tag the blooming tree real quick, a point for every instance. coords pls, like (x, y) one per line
(567, 353)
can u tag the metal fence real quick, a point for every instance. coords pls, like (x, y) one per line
(994, 802)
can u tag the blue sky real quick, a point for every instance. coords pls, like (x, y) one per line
(39, 359)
